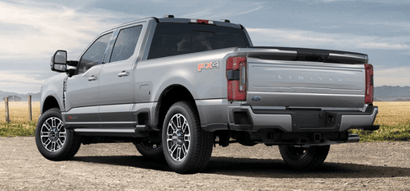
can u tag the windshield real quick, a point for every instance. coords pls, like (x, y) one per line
(182, 38)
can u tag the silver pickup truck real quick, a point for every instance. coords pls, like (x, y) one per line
(176, 87)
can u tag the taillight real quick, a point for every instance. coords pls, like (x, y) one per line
(236, 75)
(201, 21)
(369, 84)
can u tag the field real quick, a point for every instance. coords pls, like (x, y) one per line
(394, 118)
(394, 121)
(19, 117)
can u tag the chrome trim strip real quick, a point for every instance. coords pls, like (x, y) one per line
(307, 94)
(256, 50)
(111, 122)
(118, 122)
(323, 108)
(87, 130)
(348, 55)
(269, 107)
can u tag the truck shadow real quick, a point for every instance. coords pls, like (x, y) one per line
(259, 167)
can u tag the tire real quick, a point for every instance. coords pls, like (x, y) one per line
(150, 150)
(187, 148)
(53, 140)
(304, 158)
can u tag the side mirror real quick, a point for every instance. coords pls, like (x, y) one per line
(59, 61)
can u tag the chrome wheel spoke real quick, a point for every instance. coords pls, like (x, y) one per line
(53, 122)
(184, 126)
(59, 126)
(179, 153)
(173, 126)
(53, 134)
(62, 134)
(59, 143)
(173, 148)
(48, 141)
(45, 134)
(178, 137)
(179, 121)
(47, 126)
(184, 149)
(187, 138)
(53, 146)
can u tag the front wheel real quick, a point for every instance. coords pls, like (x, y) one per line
(304, 158)
(187, 148)
(53, 140)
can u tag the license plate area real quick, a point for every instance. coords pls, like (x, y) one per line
(310, 119)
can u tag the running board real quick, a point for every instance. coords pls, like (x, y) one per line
(90, 130)
(110, 132)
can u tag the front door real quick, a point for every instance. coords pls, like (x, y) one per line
(82, 88)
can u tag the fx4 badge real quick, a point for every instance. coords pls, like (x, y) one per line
(208, 65)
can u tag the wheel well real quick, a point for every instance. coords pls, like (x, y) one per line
(170, 96)
(49, 103)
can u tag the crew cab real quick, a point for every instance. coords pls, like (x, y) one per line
(176, 87)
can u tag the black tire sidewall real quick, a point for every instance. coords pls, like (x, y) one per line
(156, 153)
(179, 166)
(305, 162)
(59, 155)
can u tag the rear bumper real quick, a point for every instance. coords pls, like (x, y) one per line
(244, 118)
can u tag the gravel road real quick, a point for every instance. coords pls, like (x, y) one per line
(118, 166)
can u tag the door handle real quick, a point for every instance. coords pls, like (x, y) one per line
(92, 78)
(123, 74)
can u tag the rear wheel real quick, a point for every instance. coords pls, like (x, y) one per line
(150, 149)
(53, 140)
(304, 158)
(187, 148)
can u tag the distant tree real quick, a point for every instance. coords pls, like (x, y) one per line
(13, 98)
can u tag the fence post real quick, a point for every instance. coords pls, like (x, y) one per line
(29, 108)
(6, 103)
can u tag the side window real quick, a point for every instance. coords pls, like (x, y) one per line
(94, 55)
(125, 45)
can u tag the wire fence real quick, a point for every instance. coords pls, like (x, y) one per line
(19, 111)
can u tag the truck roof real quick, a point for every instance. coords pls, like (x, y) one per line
(171, 19)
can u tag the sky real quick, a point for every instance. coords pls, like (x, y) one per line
(32, 30)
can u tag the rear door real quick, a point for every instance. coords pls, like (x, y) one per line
(115, 85)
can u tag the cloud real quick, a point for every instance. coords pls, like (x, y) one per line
(30, 77)
(302, 38)
(219, 9)
(51, 26)
(21, 82)
(383, 45)
(392, 76)
(366, 1)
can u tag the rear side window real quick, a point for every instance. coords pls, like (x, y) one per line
(182, 38)
(94, 55)
(125, 45)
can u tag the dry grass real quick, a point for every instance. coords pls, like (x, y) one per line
(18, 111)
(393, 113)
(393, 118)
(390, 113)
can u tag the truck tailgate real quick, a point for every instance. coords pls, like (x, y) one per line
(303, 83)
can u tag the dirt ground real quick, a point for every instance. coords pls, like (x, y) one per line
(118, 166)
